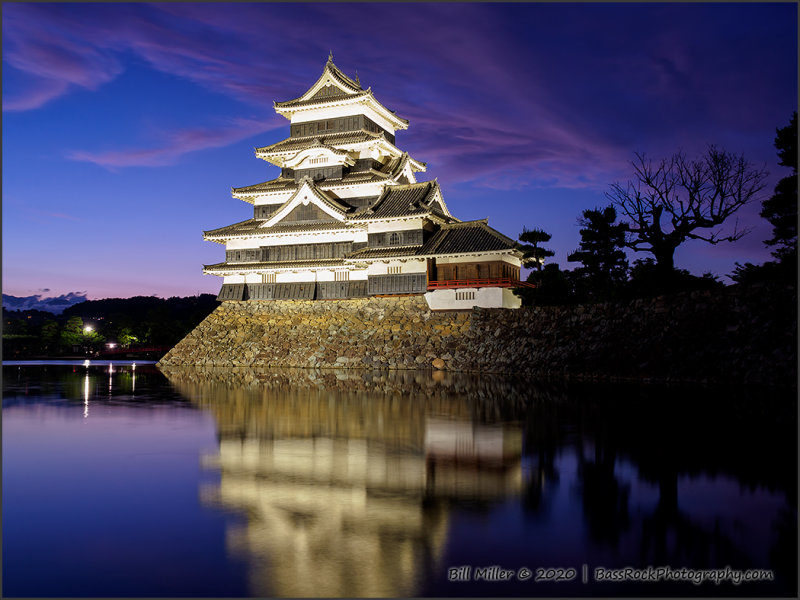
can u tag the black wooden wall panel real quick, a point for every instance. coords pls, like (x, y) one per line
(410, 237)
(307, 212)
(331, 290)
(232, 291)
(264, 211)
(295, 291)
(245, 255)
(305, 251)
(321, 290)
(261, 291)
(337, 125)
(319, 173)
(408, 283)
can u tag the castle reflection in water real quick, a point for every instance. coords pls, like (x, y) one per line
(346, 490)
(367, 484)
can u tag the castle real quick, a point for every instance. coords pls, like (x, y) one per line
(346, 217)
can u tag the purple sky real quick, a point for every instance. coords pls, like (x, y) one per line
(125, 125)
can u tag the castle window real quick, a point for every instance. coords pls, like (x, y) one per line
(268, 278)
(394, 239)
(341, 275)
(394, 270)
(465, 295)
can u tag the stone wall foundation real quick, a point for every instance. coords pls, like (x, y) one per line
(739, 334)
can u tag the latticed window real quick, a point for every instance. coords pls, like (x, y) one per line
(341, 275)
(268, 278)
(394, 239)
(394, 270)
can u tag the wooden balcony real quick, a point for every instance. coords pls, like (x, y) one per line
(506, 282)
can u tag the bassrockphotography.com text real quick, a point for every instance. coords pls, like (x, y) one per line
(587, 574)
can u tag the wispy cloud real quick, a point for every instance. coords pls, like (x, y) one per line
(51, 49)
(175, 144)
(36, 95)
(61, 48)
(51, 214)
(539, 94)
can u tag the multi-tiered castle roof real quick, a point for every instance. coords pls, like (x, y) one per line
(346, 217)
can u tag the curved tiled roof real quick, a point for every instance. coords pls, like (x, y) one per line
(296, 144)
(326, 199)
(297, 103)
(336, 74)
(395, 166)
(391, 169)
(403, 201)
(384, 252)
(281, 183)
(247, 227)
(452, 238)
(350, 90)
(309, 226)
(254, 227)
(466, 236)
(226, 267)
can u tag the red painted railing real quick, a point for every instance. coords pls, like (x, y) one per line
(462, 283)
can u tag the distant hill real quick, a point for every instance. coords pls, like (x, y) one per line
(55, 305)
(143, 307)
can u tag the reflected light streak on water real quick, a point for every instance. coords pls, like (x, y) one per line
(86, 396)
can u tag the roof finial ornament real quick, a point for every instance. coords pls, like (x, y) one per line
(330, 56)
(357, 80)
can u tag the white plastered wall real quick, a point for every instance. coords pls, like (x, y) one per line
(395, 225)
(381, 267)
(357, 190)
(466, 298)
(272, 198)
(298, 238)
(468, 258)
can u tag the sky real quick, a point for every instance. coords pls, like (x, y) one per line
(126, 125)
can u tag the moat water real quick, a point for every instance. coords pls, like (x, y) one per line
(123, 481)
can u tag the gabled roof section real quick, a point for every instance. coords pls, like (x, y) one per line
(452, 238)
(415, 199)
(308, 193)
(403, 167)
(273, 185)
(464, 237)
(247, 193)
(333, 86)
(254, 227)
(331, 76)
(242, 228)
(369, 253)
(296, 144)
(399, 201)
(318, 148)
(435, 200)
(225, 267)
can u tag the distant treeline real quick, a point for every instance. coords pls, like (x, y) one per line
(92, 326)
